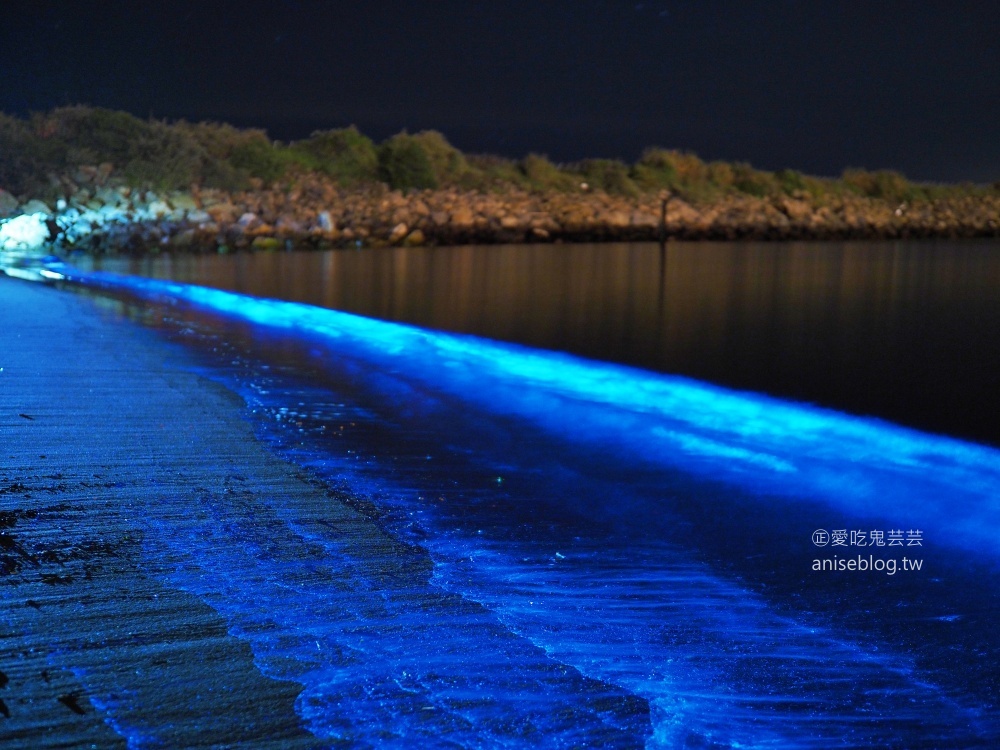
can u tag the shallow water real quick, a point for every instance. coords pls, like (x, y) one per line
(587, 553)
(901, 330)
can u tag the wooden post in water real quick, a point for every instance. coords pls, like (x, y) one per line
(665, 198)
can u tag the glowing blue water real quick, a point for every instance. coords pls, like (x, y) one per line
(599, 535)
(763, 444)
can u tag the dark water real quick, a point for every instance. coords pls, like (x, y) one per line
(589, 554)
(908, 331)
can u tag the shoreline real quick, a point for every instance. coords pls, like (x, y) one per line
(102, 646)
(317, 213)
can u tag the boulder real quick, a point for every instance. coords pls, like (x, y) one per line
(35, 207)
(265, 243)
(796, 210)
(8, 204)
(414, 239)
(398, 233)
(27, 232)
(184, 239)
(462, 217)
(158, 209)
(644, 219)
(183, 201)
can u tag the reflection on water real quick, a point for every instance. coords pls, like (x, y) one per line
(900, 330)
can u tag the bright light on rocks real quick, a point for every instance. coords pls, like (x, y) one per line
(27, 232)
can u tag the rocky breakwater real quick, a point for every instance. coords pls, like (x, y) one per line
(98, 216)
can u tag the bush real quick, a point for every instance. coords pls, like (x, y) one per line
(260, 158)
(346, 155)
(404, 164)
(164, 158)
(754, 182)
(690, 170)
(25, 157)
(447, 162)
(721, 175)
(35, 153)
(542, 174)
(92, 134)
(789, 181)
(655, 170)
(606, 174)
(884, 184)
(146, 153)
(486, 171)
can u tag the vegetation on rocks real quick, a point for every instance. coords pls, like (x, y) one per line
(111, 181)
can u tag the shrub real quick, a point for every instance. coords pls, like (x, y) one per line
(447, 162)
(25, 157)
(542, 174)
(146, 153)
(163, 157)
(92, 134)
(230, 156)
(346, 154)
(486, 171)
(689, 168)
(790, 181)
(858, 181)
(34, 153)
(260, 158)
(754, 182)
(884, 184)
(721, 174)
(217, 142)
(655, 170)
(404, 164)
(606, 174)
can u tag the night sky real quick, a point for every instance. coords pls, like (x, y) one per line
(816, 86)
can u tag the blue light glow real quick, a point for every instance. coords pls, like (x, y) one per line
(631, 607)
(762, 444)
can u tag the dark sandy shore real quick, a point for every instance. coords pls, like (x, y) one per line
(99, 421)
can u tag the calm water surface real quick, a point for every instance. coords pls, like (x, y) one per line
(909, 331)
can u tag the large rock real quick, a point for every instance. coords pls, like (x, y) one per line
(27, 232)
(463, 218)
(644, 219)
(414, 238)
(36, 207)
(398, 233)
(8, 204)
(182, 201)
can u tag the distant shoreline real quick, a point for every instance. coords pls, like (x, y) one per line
(324, 216)
(107, 182)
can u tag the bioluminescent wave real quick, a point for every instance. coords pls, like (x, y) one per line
(862, 466)
(619, 558)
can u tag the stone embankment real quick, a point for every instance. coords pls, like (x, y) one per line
(101, 217)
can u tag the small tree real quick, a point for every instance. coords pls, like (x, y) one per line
(403, 163)
(346, 154)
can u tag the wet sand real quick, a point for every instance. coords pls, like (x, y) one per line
(99, 421)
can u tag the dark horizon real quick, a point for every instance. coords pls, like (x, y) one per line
(910, 86)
